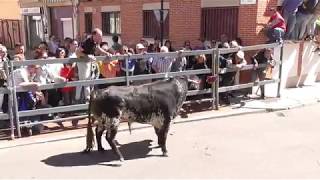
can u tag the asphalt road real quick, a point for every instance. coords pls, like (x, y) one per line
(268, 145)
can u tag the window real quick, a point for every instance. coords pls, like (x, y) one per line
(151, 23)
(111, 23)
(219, 20)
(88, 22)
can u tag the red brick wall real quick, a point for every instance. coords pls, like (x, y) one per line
(185, 21)
(131, 22)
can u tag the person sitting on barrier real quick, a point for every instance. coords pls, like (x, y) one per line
(262, 57)
(276, 27)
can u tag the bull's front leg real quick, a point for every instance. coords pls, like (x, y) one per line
(110, 137)
(99, 132)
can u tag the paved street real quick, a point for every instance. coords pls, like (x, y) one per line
(266, 145)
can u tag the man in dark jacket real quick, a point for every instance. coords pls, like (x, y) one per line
(262, 57)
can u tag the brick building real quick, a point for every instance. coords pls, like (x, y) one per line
(186, 19)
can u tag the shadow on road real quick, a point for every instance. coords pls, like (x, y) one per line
(134, 150)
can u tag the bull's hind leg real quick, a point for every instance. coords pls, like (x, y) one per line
(162, 137)
(157, 130)
(99, 133)
(110, 137)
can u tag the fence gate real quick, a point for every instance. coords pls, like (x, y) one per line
(10, 32)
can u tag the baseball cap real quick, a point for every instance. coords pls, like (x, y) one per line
(140, 46)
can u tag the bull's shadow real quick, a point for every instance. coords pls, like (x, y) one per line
(134, 150)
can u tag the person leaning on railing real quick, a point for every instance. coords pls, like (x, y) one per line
(263, 57)
(87, 50)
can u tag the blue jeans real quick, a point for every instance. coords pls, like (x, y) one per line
(291, 20)
(275, 34)
(301, 25)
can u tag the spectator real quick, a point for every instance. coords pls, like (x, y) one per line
(289, 11)
(142, 65)
(131, 63)
(187, 46)
(19, 52)
(156, 44)
(43, 47)
(317, 42)
(276, 26)
(162, 64)
(304, 16)
(311, 27)
(169, 45)
(201, 64)
(262, 57)
(116, 46)
(66, 45)
(89, 47)
(33, 99)
(73, 49)
(52, 45)
(239, 41)
(108, 69)
(67, 72)
(151, 49)
(3, 76)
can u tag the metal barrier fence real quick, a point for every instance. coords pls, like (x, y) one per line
(14, 115)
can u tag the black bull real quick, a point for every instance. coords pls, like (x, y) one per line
(155, 103)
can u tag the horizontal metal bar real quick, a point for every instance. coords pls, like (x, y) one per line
(248, 85)
(198, 101)
(53, 110)
(248, 48)
(54, 120)
(4, 91)
(4, 116)
(199, 92)
(173, 74)
(76, 83)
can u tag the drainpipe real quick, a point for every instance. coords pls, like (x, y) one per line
(161, 23)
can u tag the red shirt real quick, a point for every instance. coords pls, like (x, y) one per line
(277, 17)
(68, 73)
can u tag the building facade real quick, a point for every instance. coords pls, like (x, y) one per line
(42, 18)
(184, 19)
(10, 23)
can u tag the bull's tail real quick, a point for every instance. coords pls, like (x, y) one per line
(90, 134)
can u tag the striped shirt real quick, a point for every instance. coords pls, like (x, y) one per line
(161, 65)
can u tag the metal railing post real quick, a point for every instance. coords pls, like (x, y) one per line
(10, 101)
(216, 90)
(15, 101)
(127, 71)
(280, 71)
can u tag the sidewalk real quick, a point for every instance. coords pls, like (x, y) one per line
(290, 98)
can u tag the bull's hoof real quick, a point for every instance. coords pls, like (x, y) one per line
(101, 149)
(165, 154)
(121, 159)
